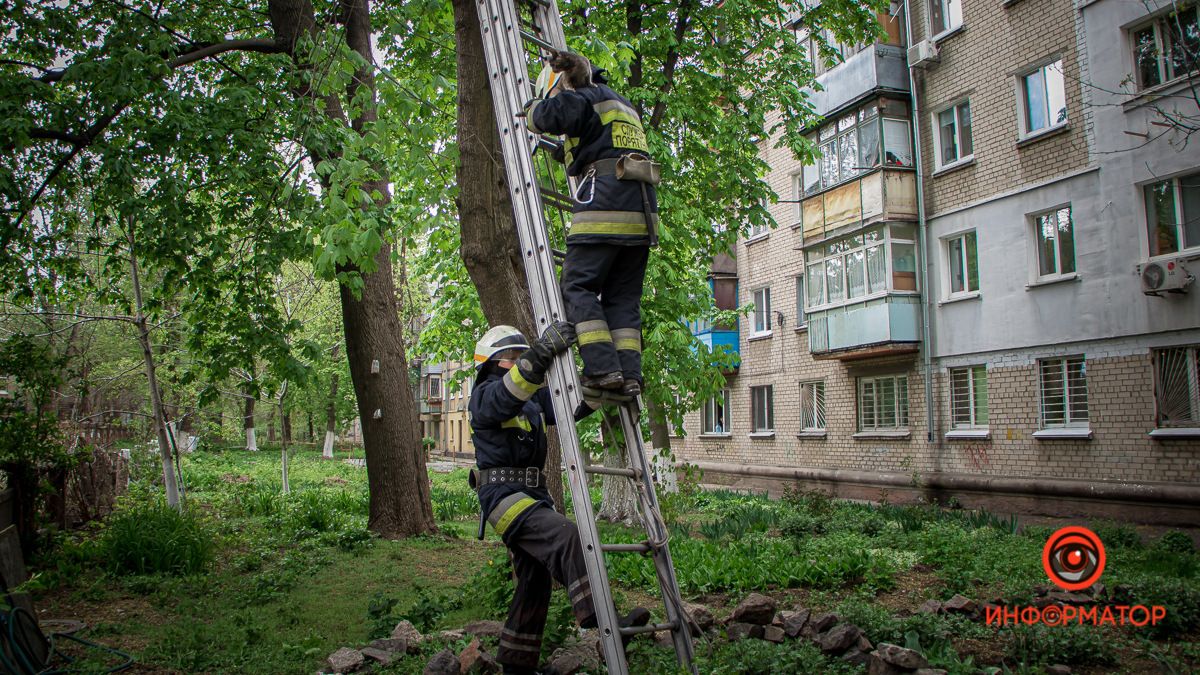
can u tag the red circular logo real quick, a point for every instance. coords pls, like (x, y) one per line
(1073, 558)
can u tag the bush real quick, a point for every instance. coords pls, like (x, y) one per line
(313, 510)
(153, 538)
(801, 524)
(1180, 597)
(1117, 535)
(1175, 541)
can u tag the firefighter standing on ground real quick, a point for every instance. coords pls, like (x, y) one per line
(510, 409)
(612, 227)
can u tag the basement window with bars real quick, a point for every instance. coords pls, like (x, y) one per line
(1064, 399)
(1177, 387)
(883, 403)
(812, 407)
(969, 397)
(762, 410)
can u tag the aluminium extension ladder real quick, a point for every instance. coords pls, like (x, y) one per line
(506, 38)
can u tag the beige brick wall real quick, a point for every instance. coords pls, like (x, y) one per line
(1121, 413)
(981, 61)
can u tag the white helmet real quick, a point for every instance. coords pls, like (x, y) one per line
(496, 340)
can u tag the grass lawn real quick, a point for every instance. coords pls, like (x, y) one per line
(257, 582)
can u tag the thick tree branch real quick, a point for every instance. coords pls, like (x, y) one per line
(683, 20)
(202, 51)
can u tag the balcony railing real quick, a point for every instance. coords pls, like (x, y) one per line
(891, 324)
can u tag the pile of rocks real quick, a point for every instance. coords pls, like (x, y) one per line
(406, 639)
(756, 618)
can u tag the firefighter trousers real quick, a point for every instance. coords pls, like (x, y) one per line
(602, 289)
(544, 547)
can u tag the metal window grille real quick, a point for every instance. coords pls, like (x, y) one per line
(762, 408)
(812, 406)
(1064, 392)
(1177, 387)
(883, 403)
(968, 397)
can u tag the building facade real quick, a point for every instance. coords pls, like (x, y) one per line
(444, 390)
(952, 301)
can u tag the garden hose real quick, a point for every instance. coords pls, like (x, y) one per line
(26, 650)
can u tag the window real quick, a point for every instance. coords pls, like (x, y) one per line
(435, 386)
(1177, 387)
(962, 255)
(762, 312)
(1055, 243)
(761, 229)
(1043, 98)
(1064, 392)
(969, 397)
(823, 49)
(801, 320)
(1173, 214)
(714, 415)
(851, 146)
(850, 269)
(762, 409)
(1167, 48)
(952, 139)
(944, 16)
(883, 403)
(812, 406)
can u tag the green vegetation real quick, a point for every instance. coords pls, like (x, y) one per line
(251, 580)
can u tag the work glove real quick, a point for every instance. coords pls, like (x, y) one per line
(533, 362)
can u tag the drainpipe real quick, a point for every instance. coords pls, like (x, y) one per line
(921, 233)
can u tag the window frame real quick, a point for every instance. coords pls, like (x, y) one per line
(1070, 421)
(435, 387)
(1023, 118)
(948, 252)
(767, 393)
(900, 410)
(818, 405)
(1158, 24)
(801, 291)
(935, 125)
(1180, 231)
(708, 413)
(972, 399)
(818, 255)
(1036, 231)
(1192, 364)
(755, 331)
(947, 29)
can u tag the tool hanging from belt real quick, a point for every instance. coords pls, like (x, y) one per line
(636, 167)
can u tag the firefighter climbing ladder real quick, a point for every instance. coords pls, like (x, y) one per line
(504, 34)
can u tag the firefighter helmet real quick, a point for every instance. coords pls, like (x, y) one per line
(496, 340)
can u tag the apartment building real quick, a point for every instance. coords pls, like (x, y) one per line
(954, 300)
(444, 390)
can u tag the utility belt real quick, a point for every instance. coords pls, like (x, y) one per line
(529, 476)
(636, 167)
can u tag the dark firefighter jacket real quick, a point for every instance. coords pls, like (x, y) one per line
(509, 416)
(598, 123)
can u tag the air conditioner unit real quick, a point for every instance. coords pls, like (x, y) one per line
(1164, 276)
(923, 54)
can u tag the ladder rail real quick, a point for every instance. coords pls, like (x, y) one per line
(501, 39)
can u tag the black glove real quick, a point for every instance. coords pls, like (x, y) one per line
(533, 362)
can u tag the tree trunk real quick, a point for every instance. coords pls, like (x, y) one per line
(248, 419)
(283, 462)
(660, 451)
(331, 412)
(312, 433)
(271, 426)
(156, 404)
(396, 475)
(490, 247)
(618, 499)
(285, 426)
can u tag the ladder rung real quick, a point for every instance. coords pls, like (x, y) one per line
(533, 39)
(558, 255)
(625, 548)
(650, 628)
(610, 471)
(560, 200)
